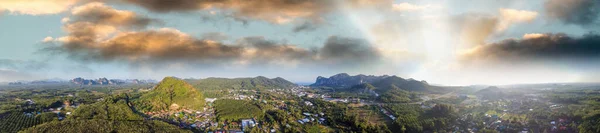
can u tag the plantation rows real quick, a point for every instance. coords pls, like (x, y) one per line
(16, 121)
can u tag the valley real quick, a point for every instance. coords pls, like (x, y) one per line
(387, 104)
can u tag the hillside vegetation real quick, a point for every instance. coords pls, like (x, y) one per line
(233, 110)
(171, 94)
(111, 115)
(259, 82)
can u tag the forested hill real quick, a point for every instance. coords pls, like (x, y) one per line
(171, 94)
(382, 83)
(113, 114)
(404, 84)
(259, 82)
(490, 93)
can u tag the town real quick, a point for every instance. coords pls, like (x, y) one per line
(300, 108)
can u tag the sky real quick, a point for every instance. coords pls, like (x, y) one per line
(446, 42)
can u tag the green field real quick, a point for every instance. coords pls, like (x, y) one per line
(233, 110)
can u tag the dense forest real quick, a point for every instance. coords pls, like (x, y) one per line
(110, 115)
(259, 82)
(171, 94)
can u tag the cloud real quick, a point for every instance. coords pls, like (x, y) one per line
(260, 51)
(474, 29)
(534, 35)
(97, 32)
(348, 50)
(36, 7)
(94, 22)
(164, 46)
(511, 16)
(100, 14)
(273, 11)
(48, 39)
(65, 20)
(579, 12)
(407, 7)
(539, 47)
(216, 36)
(307, 26)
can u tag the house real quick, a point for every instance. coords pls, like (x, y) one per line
(305, 120)
(210, 100)
(392, 117)
(321, 120)
(308, 103)
(248, 123)
(306, 114)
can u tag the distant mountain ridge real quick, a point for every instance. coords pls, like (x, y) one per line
(404, 84)
(105, 81)
(490, 93)
(380, 84)
(345, 80)
(259, 82)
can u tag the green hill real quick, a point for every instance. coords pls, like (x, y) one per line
(171, 94)
(111, 115)
(259, 82)
(112, 108)
(404, 84)
(394, 89)
(490, 93)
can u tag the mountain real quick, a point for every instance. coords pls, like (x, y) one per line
(345, 80)
(105, 81)
(259, 82)
(490, 93)
(404, 84)
(171, 93)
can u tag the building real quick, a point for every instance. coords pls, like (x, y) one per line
(308, 103)
(210, 100)
(248, 123)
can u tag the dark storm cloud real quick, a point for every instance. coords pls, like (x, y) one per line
(580, 12)
(541, 47)
(348, 50)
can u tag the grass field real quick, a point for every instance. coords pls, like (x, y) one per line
(371, 114)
